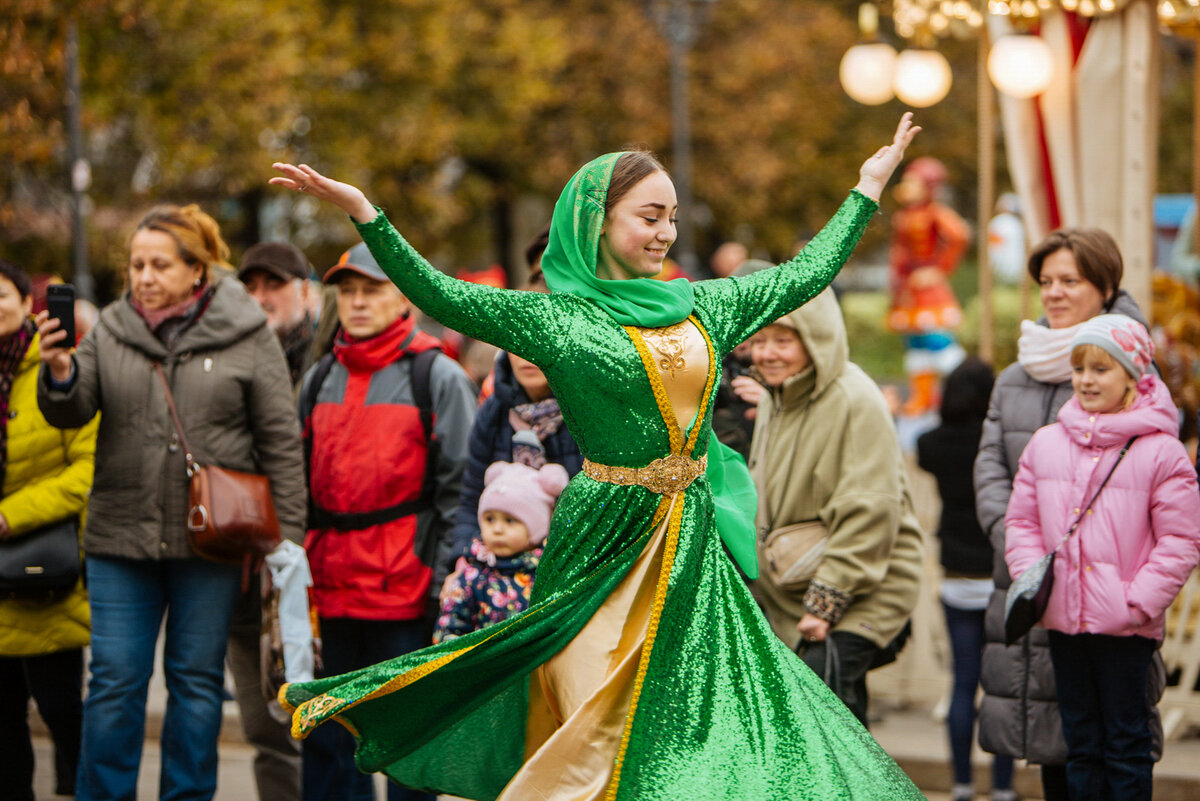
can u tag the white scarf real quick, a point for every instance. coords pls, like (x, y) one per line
(1044, 352)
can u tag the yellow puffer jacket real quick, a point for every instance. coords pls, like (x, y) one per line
(48, 477)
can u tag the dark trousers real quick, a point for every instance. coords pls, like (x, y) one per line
(1107, 727)
(55, 682)
(855, 656)
(965, 627)
(329, 772)
(267, 728)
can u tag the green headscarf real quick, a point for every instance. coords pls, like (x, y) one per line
(569, 262)
(569, 265)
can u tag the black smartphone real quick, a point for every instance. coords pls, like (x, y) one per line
(60, 302)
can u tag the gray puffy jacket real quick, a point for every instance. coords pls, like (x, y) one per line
(1019, 712)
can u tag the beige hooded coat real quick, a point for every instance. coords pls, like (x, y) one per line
(825, 449)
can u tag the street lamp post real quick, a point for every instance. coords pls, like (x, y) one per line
(679, 20)
(81, 171)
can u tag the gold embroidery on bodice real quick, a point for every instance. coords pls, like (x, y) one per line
(683, 365)
(669, 342)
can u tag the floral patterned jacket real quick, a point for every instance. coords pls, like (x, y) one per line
(488, 589)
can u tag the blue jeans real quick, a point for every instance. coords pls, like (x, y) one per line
(328, 769)
(965, 627)
(1107, 727)
(129, 599)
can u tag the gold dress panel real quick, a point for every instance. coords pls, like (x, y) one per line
(578, 699)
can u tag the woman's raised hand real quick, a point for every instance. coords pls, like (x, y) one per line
(876, 171)
(304, 178)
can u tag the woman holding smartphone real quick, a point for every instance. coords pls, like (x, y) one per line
(229, 378)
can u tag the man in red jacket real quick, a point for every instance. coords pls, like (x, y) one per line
(386, 418)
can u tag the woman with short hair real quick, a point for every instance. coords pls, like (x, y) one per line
(1078, 272)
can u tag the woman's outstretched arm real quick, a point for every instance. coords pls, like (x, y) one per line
(744, 305)
(521, 322)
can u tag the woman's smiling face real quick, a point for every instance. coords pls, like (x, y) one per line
(638, 230)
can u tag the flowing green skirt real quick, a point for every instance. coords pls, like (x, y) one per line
(713, 705)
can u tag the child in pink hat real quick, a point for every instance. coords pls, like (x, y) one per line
(514, 517)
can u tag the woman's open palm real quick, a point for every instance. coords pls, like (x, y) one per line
(303, 178)
(880, 166)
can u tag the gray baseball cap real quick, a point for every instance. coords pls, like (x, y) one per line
(357, 259)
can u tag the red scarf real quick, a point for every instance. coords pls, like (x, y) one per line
(374, 353)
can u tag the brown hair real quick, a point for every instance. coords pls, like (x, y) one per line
(1096, 253)
(1080, 353)
(629, 170)
(194, 231)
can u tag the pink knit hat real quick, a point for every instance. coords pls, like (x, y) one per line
(525, 493)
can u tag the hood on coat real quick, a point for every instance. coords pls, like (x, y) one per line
(1153, 411)
(822, 329)
(231, 315)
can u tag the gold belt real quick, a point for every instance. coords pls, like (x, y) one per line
(664, 476)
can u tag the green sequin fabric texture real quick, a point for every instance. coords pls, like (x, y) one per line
(725, 710)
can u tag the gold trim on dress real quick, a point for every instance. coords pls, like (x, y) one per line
(657, 388)
(310, 709)
(665, 476)
(660, 600)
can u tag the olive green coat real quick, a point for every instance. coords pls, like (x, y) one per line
(825, 449)
(230, 381)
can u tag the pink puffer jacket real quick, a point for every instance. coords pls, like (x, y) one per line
(1134, 549)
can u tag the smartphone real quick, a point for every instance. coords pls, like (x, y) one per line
(60, 302)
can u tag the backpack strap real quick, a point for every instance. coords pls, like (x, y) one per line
(320, 518)
(308, 402)
(422, 369)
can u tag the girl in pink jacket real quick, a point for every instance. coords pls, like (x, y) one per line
(1133, 548)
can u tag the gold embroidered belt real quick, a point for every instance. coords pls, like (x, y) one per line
(664, 476)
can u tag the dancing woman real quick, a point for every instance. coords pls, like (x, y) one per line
(642, 668)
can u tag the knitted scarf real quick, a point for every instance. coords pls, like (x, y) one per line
(169, 322)
(543, 419)
(12, 353)
(1045, 352)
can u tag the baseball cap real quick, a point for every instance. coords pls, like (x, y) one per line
(280, 259)
(357, 259)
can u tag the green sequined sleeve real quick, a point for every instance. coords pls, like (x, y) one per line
(737, 307)
(525, 323)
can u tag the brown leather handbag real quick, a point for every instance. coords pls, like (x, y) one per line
(231, 514)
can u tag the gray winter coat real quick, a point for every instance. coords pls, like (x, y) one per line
(1019, 712)
(230, 382)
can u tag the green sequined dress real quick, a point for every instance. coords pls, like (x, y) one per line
(699, 700)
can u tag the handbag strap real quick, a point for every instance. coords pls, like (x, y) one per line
(1096, 495)
(833, 665)
(187, 451)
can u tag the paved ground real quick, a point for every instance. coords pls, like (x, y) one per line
(911, 735)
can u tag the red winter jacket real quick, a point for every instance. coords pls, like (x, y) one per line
(368, 452)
